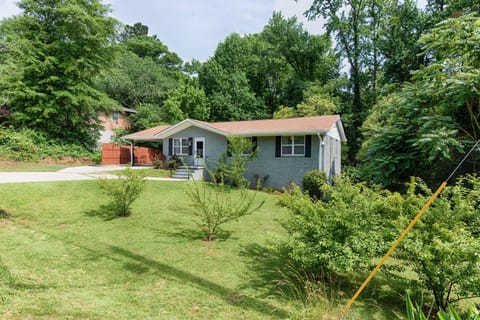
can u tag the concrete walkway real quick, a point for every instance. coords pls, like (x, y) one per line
(67, 174)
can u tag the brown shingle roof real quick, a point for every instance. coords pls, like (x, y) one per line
(271, 126)
(249, 127)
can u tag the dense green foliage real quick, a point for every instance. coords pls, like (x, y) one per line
(123, 191)
(443, 247)
(417, 130)
(355, 224)
(30, 145)
(342, 233)
(51, 54)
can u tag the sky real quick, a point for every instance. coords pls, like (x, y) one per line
(194, 28)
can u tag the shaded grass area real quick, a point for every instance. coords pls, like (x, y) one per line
(63, 257)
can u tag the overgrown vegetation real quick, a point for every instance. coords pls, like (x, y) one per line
(355, 224)
(124, 190)
(30, 145)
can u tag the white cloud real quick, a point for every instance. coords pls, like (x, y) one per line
(8, 8)
(290, 8)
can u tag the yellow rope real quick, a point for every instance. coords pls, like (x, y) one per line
(393, 247)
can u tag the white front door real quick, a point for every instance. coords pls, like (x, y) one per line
(199, 151)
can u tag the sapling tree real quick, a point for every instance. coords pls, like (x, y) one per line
(124, 190)
(217, 203)
(233, 162)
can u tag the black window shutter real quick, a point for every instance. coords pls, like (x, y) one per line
(308, 146)
(229, 152)
(254, 143)
(278, 146)
(170, 146)
(190, 146)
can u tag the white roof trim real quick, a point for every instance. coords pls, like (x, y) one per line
(339, 124)
(184, 125)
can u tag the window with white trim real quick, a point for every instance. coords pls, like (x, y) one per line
(115, 116)
(180, 146)
(293, 145)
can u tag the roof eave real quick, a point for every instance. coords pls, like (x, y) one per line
(142, 138)
(277, 133)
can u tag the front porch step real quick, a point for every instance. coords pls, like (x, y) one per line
(187, 172)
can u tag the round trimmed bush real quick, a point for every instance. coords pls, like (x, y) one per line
(312, 183)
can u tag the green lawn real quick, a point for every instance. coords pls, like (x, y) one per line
(61, 259)
(150, 172)
(13, 166)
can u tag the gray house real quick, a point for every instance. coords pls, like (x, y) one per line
(287, 147)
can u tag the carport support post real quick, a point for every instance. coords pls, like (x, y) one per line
(132, 144)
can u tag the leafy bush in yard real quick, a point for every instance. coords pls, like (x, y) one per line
(443, 247)
(312, 183)
(27, 144)
(343, 233)
(355, 224)
(124, 190)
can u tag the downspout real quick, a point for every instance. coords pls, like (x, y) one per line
(321, 152)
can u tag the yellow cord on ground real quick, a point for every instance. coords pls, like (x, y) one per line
(393, 247)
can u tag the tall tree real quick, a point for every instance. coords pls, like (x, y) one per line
(398, 41)
(420, 129)
(53, 52)
(349, 21)
(136, 39)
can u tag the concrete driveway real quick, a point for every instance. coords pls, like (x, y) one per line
(67, 174)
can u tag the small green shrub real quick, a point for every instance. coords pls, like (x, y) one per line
(312, 183)
(124, 190)
(159, 161)
(96, 157)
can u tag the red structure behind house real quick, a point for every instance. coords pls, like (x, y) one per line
(114, 154)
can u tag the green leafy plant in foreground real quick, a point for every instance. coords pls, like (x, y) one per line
(124, 190)
(416, 313)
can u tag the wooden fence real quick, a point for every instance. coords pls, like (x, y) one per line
(113, 154)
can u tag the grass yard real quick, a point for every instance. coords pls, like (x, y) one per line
(61, 259)
(14, 166)
(148, 172)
